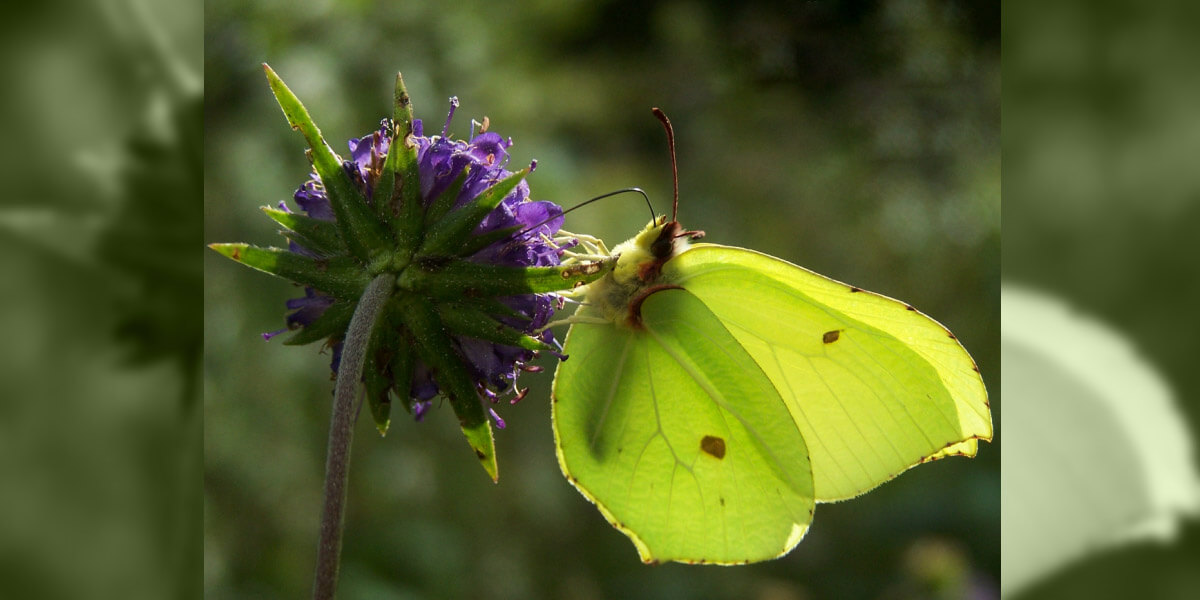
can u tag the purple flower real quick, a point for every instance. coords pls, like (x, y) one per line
(441, 160)
(437, 245)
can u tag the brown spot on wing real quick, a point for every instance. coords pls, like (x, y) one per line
(831, 336)
(855, 289)
(713, 446)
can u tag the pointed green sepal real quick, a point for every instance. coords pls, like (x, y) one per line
(402, 112)
(435, 349)
(456, 278)
(379, 399)
(481, 440)
(332, 322)
(496, 308)
(359, 227)
(404, 360)
(449, 235)
(315, 234)
(376, 375)
(479, 242)
(445, 201)
(340, 277)
(385, 186)
(467, 320)
(400, 172)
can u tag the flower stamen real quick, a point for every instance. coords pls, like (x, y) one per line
(449, 116)
(495, 417)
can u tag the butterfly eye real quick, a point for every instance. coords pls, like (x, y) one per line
(664, 246)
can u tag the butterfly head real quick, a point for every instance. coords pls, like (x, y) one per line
(640, 260)
(669, 242)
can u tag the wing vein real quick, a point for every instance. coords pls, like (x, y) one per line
(612, 391)
(714, 395)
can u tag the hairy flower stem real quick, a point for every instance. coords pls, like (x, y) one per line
(341, 432)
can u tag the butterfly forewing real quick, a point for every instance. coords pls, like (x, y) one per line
(874, 386)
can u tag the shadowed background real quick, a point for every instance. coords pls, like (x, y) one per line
(100, 233)
(860, 140)
(1102, 203)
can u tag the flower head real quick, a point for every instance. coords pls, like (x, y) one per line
(440, 161)
(476, 263)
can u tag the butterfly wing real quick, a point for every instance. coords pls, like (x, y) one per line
(679, 438)
(874, 386)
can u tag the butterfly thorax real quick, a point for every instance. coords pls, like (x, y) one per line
(617, 297)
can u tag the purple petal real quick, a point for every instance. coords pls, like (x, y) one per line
(312, 200)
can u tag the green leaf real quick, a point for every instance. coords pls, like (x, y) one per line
(360, 229)
(456, 278)
(449, 235)
(340, 277)
(315, 234)
(434, 347)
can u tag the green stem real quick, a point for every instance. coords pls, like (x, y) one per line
(341, 432)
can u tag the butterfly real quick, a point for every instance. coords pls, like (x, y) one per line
(713, 395)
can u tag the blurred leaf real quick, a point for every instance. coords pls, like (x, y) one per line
(71, 234)
(1096, 452)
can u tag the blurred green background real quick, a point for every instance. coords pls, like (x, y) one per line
(858, 139)
(100, 449)
(1102, 203)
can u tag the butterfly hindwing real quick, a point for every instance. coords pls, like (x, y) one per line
(679, 437)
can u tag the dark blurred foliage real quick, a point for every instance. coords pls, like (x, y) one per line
(1101, 131)
(857, 139)
(151, 239)
(100, 233)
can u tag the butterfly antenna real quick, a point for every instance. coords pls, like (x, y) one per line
(629, 190)
(695, 235)
(674, 167)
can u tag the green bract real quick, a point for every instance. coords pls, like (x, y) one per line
(467, 256)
